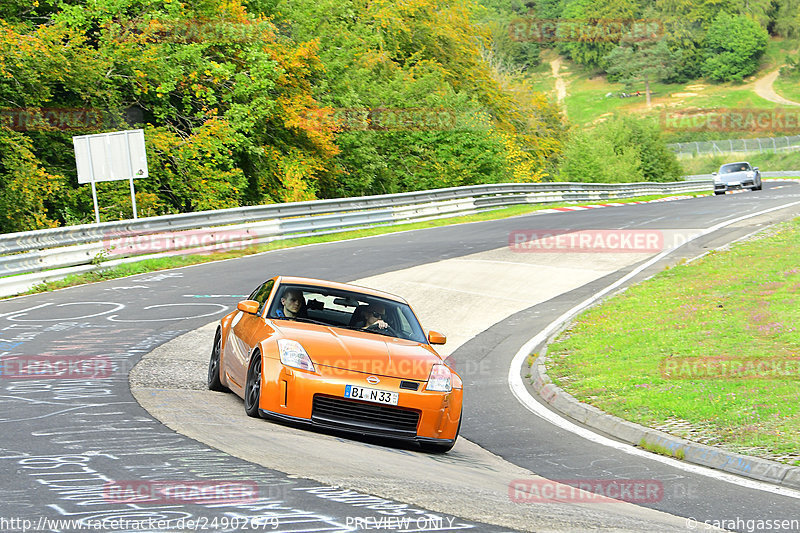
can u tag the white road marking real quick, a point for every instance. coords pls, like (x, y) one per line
(13, 316)
(113, 318)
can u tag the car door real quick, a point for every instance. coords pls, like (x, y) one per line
(246, 330)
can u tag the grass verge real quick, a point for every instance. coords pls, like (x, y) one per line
(644, 355)
(164, 263)
(765, 161)
(789, 88)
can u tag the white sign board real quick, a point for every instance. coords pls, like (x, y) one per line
(118, 155)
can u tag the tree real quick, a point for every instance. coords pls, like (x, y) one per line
(622, 149)
(646, 61)
(786, 19)
(732, 47)
(589, 28)
(28, 194)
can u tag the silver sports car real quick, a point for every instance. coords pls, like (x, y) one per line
(733, 176)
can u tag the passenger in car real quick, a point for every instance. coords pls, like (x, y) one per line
(293, 304)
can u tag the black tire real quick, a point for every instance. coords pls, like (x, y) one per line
(718, 193)
(435, 447)
(214, 382)
(252, 389)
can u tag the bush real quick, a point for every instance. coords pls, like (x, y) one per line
(623, 149)
(732, 47)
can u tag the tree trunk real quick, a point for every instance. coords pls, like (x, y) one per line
(647, 90)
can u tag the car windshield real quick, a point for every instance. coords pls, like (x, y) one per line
(734, 167)
(346, 309)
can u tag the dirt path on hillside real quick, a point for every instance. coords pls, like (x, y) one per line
(561, 85)
(763, 88)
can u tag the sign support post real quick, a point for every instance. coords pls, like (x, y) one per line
(96, 209)
(133, 198)
(94, 189)
(130, 179)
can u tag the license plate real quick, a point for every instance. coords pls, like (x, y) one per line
(371, 395)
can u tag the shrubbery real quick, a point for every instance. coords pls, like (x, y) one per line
(622, 149)
(732, 47)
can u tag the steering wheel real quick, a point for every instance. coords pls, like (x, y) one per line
(388, 330)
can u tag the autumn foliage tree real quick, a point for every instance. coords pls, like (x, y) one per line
(260, 101)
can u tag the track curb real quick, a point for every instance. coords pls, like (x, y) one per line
(635, 434)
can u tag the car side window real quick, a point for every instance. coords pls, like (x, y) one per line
(261, 294)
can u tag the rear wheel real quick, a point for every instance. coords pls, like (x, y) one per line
(252, 389)
(214, 382)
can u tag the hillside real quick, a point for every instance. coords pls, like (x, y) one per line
(246, 102)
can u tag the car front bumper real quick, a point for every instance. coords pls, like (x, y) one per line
(317, 399)
(734, 185)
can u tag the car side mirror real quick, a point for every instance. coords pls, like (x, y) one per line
(248, 306)
(434, 337)
(755, 168)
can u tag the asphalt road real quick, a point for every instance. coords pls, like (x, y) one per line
(68, 445)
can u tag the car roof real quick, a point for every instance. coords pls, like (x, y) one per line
(735, 163)
(296, 280)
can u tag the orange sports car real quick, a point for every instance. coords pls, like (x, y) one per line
(337, 356)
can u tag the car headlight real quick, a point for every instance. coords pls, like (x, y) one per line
(751, 174)
(440, 380)
(293, 354)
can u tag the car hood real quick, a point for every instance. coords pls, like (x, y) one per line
(339, 348)
(735, 176)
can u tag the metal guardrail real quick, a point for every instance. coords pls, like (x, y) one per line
(56, 252)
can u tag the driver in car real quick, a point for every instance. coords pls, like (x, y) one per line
(375, 315)
(292, 302)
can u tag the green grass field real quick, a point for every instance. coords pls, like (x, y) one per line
(632, 356)
(765, 161)
(587, 101)
(789, 88)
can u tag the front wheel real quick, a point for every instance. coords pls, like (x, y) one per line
(214, 382)
(252, 389)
